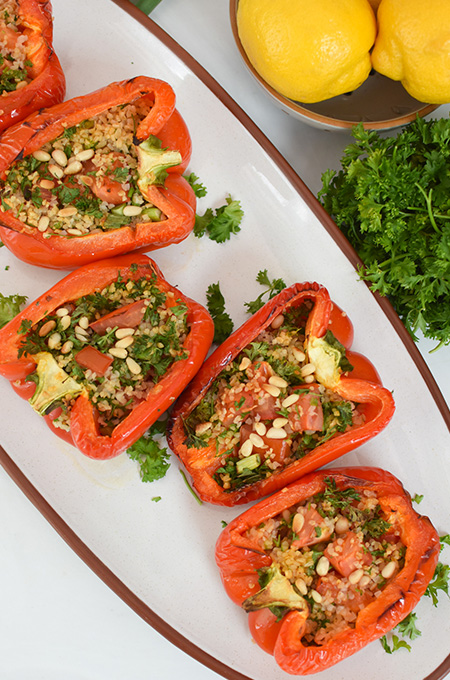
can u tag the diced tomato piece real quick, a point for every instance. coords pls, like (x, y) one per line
(128, 316)
(106, 189)
(313, 530)
(307, 413)
(91, 358)
(346, 554)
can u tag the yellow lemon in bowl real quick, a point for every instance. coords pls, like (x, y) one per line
(413, 46)
(308, 50)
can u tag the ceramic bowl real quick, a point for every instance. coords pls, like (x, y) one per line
(379, 103)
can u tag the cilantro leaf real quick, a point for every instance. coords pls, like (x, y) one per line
(223, 324)
(10, 307)
(444, 540)
(220, 223)
(396, 644)
(198, 188)
(408, 627)
(152, 458)
(417, 498)
(439, 582)
(272, 288)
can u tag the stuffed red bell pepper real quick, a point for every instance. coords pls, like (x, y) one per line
(31, 76)
(277, 399)
(327, 564)
(97, 176)
(105, 352)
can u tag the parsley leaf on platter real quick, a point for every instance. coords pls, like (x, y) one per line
(272, 288)
(152, 458)
(10, 307)
(220, 223)
(223, 324)
(198, 188)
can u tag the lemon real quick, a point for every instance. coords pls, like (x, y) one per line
(308, 50)
(413, 46)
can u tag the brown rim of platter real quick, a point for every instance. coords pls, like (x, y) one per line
(63, 529)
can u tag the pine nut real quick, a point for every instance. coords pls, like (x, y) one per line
(276, 433)
(389, 569)
(322, 566)
(59, 157)
(118, 352)
(123, 332)
(81, 331)
(272, 390)
(298, 522)
(132, 210)
(83, 321)
(307, 369)
(65, 322)
(81, 338)
(43, 223)
(133, 366)
(201, 428)
(356, 576)
(290, 400)
(341, 525)
(309, 379)
(125, 342)
(298, 354)
(74, 232)
(317, 597)
(54, 340)
(56, 170)
(73, 168)
(364, 581)
(279, 422)
(67, 346)
(70, 211)
(256, 440)
(46, 184)
(278, 381)
(277, 321)
(62, 311)
(21, 84)
(301, 586)
(246, 448)
(245, 363)
(84, 155)
(41, 155)
(260, 429)
(46, 328)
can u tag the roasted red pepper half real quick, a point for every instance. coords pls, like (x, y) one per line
(97, 176)
(101, 385)
(31, 76)
(327, 565)
(277, 399)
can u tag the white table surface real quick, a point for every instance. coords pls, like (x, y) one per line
(59, 620)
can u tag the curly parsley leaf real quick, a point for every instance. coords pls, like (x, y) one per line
(152, 458)
(220, 223)
(272, 288)
(9, 307)
(408, 627)
(397, 643)
(198, 188)
(223, 324)
(391, 199)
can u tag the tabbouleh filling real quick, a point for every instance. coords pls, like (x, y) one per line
(331, 556)
(265, 409)
(14, 63)
(86, 180)
(133, 358)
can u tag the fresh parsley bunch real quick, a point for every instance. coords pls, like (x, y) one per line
(391, 199)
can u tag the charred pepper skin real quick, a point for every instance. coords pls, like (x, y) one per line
(361, 385)
(84, 432)
(48, 84)
(175, 198)
(238, 560)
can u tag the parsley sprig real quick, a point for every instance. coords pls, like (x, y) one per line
(223, 324)
(272, 288)
(220, 223)
(9, 307)
(392, 200)
(151, 456)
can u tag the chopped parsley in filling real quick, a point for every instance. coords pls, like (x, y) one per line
(14, 63)
(115, 344)
(90, 179)
(266, 409)
(332, 555)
